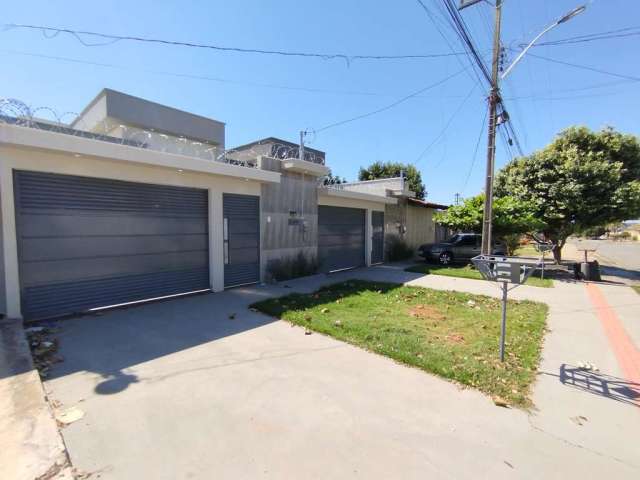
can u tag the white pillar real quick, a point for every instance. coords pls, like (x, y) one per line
(9, 243)
(368, 231)
(216, 244)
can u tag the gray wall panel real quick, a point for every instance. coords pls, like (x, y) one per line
(242, 216)
(377, 237)
(76, 223)
(3, 289)
(89, 242)
(341, 237)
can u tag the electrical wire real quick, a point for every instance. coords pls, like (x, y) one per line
(620, 33)
(293, 87)
(434, 21)
(475, 151)
(585, 67)
(445, 128)
(51, 32)
(390, 106)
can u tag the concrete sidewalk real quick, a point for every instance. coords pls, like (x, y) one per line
(30, 445)
(179, 389)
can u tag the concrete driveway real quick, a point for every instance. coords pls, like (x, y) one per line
(179, 390)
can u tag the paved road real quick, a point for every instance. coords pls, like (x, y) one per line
(620, 254)
(181, 390)
(617, 259)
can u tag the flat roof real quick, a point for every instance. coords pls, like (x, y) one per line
(352, 194)
(147, 114)
(26, 137)
(268, 140)
(425, 204)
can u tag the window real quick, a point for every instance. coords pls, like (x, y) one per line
(469, 240)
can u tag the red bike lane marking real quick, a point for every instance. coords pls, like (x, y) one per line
(626, 353)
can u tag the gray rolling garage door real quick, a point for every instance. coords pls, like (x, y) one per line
(377, 237)
(88, 242)
(341, 238)
(241, 239)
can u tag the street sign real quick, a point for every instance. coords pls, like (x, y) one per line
(505, 270)
(467, 3)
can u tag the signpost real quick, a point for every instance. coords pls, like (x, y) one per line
(543, 248)
(515, 270)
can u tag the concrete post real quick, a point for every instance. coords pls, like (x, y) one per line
(368, 232)
(10, 244)
(216, 244)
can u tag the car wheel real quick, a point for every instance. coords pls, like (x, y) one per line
(445, 258)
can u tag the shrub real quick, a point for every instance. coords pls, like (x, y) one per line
(397, 249)
(594, 232)
(512, 242)
(623, 236)
(293, 266)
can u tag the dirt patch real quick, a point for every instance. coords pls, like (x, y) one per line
(455, 338)
(426, 312)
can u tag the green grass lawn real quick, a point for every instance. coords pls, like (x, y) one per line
(454, 335)
(527, 250)
(466, 271)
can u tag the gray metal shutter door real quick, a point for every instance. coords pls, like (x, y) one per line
(88, 242)
(242, 239)
(341, 235)
(377, 237)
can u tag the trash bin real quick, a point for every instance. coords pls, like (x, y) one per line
(590, 271)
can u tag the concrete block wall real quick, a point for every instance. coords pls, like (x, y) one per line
(289, 215)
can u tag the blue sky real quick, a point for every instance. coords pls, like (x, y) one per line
(259, 96)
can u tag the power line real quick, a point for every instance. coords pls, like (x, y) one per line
(475, 151)
(52, 32)
(294, 88)
(391, 105)
(620, 33)
(434, 21)
(445, 128)
(585, 67)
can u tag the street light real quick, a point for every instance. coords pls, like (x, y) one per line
(563, 19)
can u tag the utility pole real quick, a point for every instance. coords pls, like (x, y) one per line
(494, 99)
(457, 199)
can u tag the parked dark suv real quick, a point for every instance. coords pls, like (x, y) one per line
(460, 247)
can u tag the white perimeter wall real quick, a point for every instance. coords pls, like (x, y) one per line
(14, 158)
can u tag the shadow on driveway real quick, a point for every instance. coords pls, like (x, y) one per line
(108, 343)
(111, 341)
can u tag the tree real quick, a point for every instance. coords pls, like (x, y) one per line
(511, 217)
(331, 180)
(394, 169)
(582, 180)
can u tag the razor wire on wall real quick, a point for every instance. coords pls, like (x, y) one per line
(17, 112)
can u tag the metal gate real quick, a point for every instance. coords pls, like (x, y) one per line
(88, 242)
(241, 232)
(377, 237)
(341, 238)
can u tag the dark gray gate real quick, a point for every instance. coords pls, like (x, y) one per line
(377, 237)
(88, 242)
(341, 235)
(241, 232)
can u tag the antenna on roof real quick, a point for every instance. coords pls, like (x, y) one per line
(303, 133)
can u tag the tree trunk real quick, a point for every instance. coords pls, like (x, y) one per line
(557, 250)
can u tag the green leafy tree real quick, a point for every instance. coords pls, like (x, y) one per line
(582, 180)
(393, 169)
(330, 179)
(511, 217)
